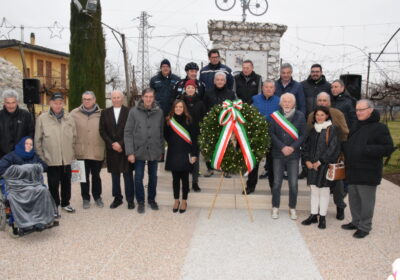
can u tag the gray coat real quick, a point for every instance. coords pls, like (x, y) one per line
(144, 132)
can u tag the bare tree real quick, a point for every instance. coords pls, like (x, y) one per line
(387, 94)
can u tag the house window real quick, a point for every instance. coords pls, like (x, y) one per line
(40, 68)
(64, 75)
(48, 74)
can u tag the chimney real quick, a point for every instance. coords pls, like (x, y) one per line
(33, 38)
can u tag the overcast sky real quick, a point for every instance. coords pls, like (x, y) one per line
(318, 30)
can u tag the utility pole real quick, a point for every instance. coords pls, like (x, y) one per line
(143, 51)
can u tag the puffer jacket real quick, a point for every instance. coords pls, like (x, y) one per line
(163, 87)
(55, 140)
(88, 144)
(144, 132)
(368, 142)
(207, 74)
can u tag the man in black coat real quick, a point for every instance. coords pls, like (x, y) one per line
(15, 123)
(247, 83)
(217, 95)
(112, 125)
(163, 83)
(343, 101)
(368, 142)
(315, 84)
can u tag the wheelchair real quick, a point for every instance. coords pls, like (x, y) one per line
(7, 218)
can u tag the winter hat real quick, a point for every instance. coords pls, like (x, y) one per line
(191, 83)
(165, 61)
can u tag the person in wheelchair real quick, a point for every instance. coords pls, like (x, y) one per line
(32, 206)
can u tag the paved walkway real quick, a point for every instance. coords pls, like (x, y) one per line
(121, 244)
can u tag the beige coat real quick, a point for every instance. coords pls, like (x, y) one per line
(54, 140)
(89, 144)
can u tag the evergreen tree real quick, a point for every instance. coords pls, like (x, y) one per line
(87, 56)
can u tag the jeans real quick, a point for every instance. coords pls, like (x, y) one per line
(152, 184)
(129, 186)
(57, 175)
(292, 167)
(92, 167)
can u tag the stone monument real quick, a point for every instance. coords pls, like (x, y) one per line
(238, 41)
(10, 78)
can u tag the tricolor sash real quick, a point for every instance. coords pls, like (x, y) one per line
(180, 130)
(232, 121)
(285, 124)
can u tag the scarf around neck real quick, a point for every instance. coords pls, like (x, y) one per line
(320, 126)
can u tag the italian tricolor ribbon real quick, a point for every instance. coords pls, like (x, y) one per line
(180, 130)
(232, 121)
(285, 124)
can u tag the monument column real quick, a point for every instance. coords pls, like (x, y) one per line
(238, 41)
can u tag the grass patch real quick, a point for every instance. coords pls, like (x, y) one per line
(394, 163)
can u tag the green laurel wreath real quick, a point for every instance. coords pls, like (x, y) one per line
(257, 132)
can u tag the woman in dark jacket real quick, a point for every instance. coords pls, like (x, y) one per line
(321, 148)
(182, 151)
(197, 110)
(23, 154)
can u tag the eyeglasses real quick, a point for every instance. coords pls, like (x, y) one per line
(213, 57)
(363, 109)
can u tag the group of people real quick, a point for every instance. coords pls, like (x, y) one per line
(311, 122)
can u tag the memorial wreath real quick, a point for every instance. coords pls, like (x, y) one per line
(234, 137)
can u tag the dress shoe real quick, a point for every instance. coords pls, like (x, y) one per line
(153, 205)
(263, 175)
(360, 234)
(115, 203)
(195, 187)
(248, 190)
(322, 222)
(183, 210)
(140, 208)
(349, 226)
(312, 219)
(209, 173)
(131, 205)
(339, 213)
(176, 209)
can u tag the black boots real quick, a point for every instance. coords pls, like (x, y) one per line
(196, 187)
(339, 213)
(312, 219)
(322, 222)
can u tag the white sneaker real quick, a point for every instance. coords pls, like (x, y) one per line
(293, 214)
(68, 209)
(275, 213)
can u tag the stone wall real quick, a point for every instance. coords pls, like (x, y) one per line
(10, 78)
(257, 38)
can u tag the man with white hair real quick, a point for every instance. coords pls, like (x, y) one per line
(288, 130)
(368, 142)
(89, 146)
(217, 95)
(112, 125)
(15, 123)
